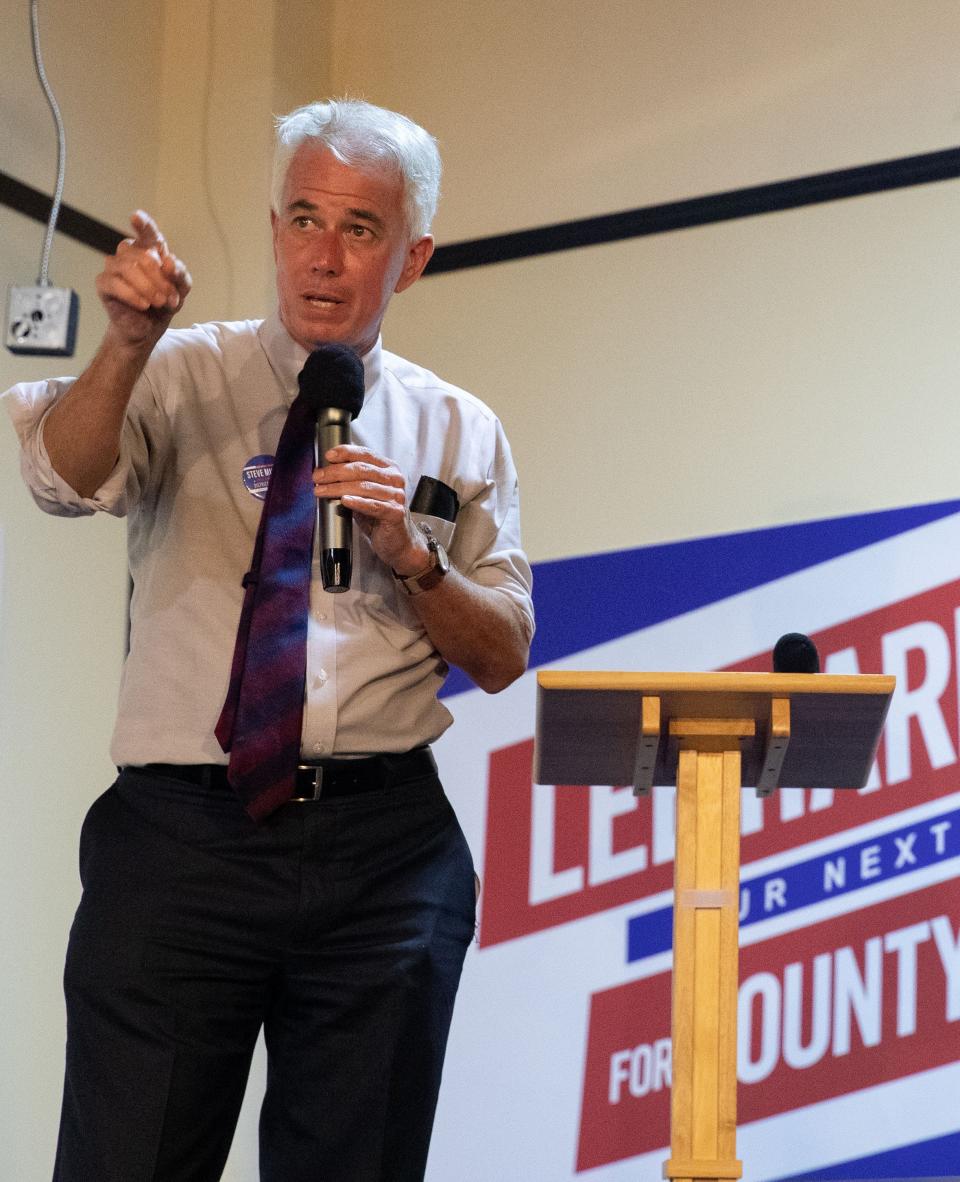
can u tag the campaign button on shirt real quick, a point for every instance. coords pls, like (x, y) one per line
(256, 475)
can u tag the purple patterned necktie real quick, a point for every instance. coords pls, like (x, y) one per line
(261, 721)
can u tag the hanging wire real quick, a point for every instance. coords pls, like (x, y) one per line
(44, 278)
(208, 89)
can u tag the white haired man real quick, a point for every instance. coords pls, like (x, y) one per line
(337, 924)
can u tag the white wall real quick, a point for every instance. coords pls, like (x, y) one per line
(795, 365)
(62, 584)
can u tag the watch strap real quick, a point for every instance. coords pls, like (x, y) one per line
(432, 573)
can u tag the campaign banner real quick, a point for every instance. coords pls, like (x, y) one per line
(823, 1011)
(849, 992)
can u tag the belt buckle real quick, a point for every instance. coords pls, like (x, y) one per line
(316, 787)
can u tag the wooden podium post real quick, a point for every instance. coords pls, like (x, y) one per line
(710, 734)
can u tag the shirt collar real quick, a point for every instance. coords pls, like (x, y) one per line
(286, 358)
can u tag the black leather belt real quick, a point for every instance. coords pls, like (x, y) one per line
(320, 780)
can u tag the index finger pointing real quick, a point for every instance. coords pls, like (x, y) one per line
(147, 232)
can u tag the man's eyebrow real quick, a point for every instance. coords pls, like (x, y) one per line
(365, 215)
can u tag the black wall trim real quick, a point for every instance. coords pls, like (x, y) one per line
(614, 227)
(27, 200)
(699, 211)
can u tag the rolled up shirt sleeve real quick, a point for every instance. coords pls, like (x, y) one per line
(144, 432)
(486, 546)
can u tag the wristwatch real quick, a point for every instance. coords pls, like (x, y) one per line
(432, 573)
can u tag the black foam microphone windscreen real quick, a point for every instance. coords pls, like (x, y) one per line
(795, 653)
(332, 377)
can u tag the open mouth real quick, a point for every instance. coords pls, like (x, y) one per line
(321, 301)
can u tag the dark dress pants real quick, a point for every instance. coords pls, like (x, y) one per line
(340, 926)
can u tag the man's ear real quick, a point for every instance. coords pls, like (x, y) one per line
(418, 256)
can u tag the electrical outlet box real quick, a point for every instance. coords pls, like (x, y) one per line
(42, 320)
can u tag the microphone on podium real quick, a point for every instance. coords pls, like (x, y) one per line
(795, 653)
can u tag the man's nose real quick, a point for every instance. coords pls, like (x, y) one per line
(328, 253)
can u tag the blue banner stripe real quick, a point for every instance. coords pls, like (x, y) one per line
(790, 888)
(926, 1161)
(623, 591)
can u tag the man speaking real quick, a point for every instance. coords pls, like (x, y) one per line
(232, 879)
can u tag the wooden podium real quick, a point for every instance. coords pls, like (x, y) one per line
(710, 734)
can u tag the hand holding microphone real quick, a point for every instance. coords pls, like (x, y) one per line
(350, 479)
